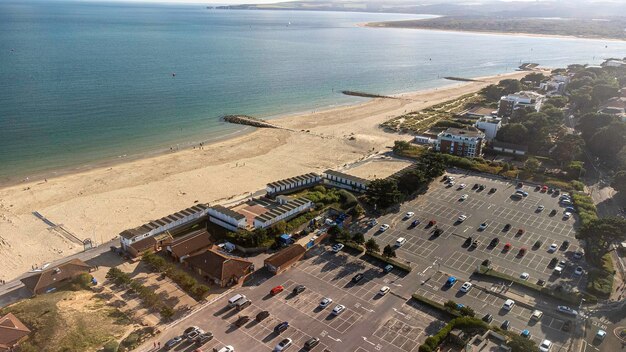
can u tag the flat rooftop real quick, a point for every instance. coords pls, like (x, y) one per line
(378, 168)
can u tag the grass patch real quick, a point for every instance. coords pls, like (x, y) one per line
(391, 261)
(68, 321)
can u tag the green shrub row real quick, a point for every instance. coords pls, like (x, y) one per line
(436, 305)
(187, 282)
(391, 261)
(148, 297)
(464, 323)
(585, 207)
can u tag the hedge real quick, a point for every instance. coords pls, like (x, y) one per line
(463, 323)
(391, 261)
(568, 297)
(435, 305)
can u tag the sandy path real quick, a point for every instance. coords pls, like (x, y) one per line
(100, 203)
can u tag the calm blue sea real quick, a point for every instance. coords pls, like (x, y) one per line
(87, 82)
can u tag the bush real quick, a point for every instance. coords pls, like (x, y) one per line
(348, 200)
(424, 348)
(111, 346)
(131, 340)
(577, 185)
(166, 312)
(82, 282)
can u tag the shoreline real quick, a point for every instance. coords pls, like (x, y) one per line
(516, 34)
(101, 202)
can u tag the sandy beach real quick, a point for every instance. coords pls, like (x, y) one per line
(99, 203)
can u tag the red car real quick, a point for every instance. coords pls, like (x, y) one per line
(276, 290)
(544, 189)
(522, 252)
(507, 247)
(432, 223)
(520, 232)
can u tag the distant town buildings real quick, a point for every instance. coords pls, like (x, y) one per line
(614, 63)
(461, 142)
(525, 99)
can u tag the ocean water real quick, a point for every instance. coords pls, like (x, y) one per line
(85, 82)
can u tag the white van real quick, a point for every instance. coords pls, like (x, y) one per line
(228, 247)
(400, 241)
(234, 299)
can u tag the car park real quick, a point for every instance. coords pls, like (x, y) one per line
(545, 346)
(276, 290)
(242, 320)
(566, 310)
(356, 278)
(338, 309)
(400, 241)
(337, 247)
(281, 327)
(283, 345)
(384, 227)
(488, 318)
(466, 287)
(310, 343)
(383, 290)
(325, 302)
(299, 289)
(173, 342)
(508, 304)
(409, 215)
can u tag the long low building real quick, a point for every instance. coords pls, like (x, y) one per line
(341, 180)
(293, 184)
(287, 209)
(227, 218)
(167, 223)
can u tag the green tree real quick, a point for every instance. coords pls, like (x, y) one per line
(557, 101)
(532, 164)
(467, 311)
(166, 313)
(590, 123)
(517, 343)
(567, 148)
(515, 133)
(411, 181)
(535, 78)
(451, 305)
(358, 238)
(619, 181)
(383, 193)
(111, 346)
(603, 232)
(582, 99)
(492, 92)
(603, 92)
(510, 86)
(389, 252)
(608, 141)
(357, 211)
(372, 246)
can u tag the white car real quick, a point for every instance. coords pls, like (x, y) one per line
(461, 218)
(600, 335)
(567, 310)
(508, 304)
(579, 271)
(466, 287)
(540, 208)
(524, 276)
(400, 241)
(462, 185)
(383, 290)
(384, 227)
(325, 302)
(451, 183)
(483, 226)
(464, 197)
(409, 215)
(567, 215)
(337, 247)
(227, 349)
(282, 345)
(553, 248)
(546, 346)
(537, 314)
(338, 309)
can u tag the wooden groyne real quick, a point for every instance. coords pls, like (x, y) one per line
(461, 79)
(366, 95)
(248, 121)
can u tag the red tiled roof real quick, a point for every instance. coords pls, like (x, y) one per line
(55, 274)
(12, 330)
(218, 265)
(285, 255)
(190, 243)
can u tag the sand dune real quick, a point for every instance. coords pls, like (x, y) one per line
(100, 203)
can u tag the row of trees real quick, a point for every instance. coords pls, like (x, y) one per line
(148, 297)
(371, 246)
(187, 282)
